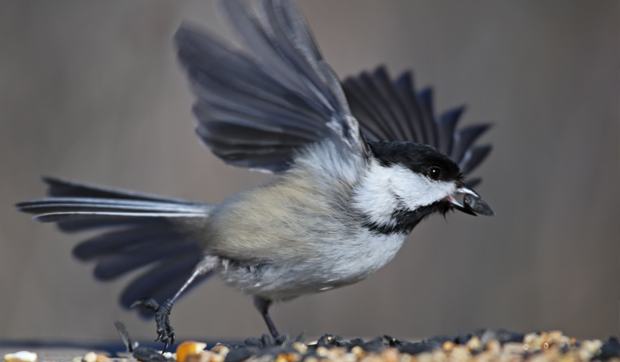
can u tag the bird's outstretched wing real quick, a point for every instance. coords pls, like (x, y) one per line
(257, 104)
(392, 111)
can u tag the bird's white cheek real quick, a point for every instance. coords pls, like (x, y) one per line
(416, 190)
(385, 189)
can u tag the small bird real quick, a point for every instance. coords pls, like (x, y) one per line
(358, 165)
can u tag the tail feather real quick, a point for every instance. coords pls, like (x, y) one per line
(78, 225)
(64, 204)
(64, 188)
(70, 201)
(125, 240)
(110, 267)
(72, 215)
(54, 209)
(139, 230)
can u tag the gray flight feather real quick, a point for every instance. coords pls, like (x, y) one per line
(258, 105)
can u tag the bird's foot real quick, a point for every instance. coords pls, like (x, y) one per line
(165, 332)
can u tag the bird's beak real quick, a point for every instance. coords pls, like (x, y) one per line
(472, 203)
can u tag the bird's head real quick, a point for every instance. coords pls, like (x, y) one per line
(408, 181)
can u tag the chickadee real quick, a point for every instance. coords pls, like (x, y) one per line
(359, 164)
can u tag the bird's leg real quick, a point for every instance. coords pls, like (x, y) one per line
(263, 304)
(165, 332)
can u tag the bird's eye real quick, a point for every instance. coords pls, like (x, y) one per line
(434, 173)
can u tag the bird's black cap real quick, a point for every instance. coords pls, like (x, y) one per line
(419, 158)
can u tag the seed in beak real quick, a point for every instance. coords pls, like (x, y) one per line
(477, 205)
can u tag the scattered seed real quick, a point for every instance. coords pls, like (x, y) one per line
(189, 348)
(322, 351)
(493, 346)
(221, 349)
(474, 344)
(146, 354)
(21, 356)
(358, 352)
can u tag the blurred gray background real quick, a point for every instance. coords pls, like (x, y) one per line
(91, 91)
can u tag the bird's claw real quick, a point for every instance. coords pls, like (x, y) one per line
(165, 332)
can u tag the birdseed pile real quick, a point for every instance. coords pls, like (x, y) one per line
(482, 346)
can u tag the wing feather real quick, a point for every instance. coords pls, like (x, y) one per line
(464, 140)
(392, 102)
(425, 99)
(392, 111)
(257, 104)
(404, 85)
(360, 104)
(447, 125)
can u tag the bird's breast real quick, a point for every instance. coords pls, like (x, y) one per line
(330, 264)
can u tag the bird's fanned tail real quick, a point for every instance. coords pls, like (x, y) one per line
(138, 230)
